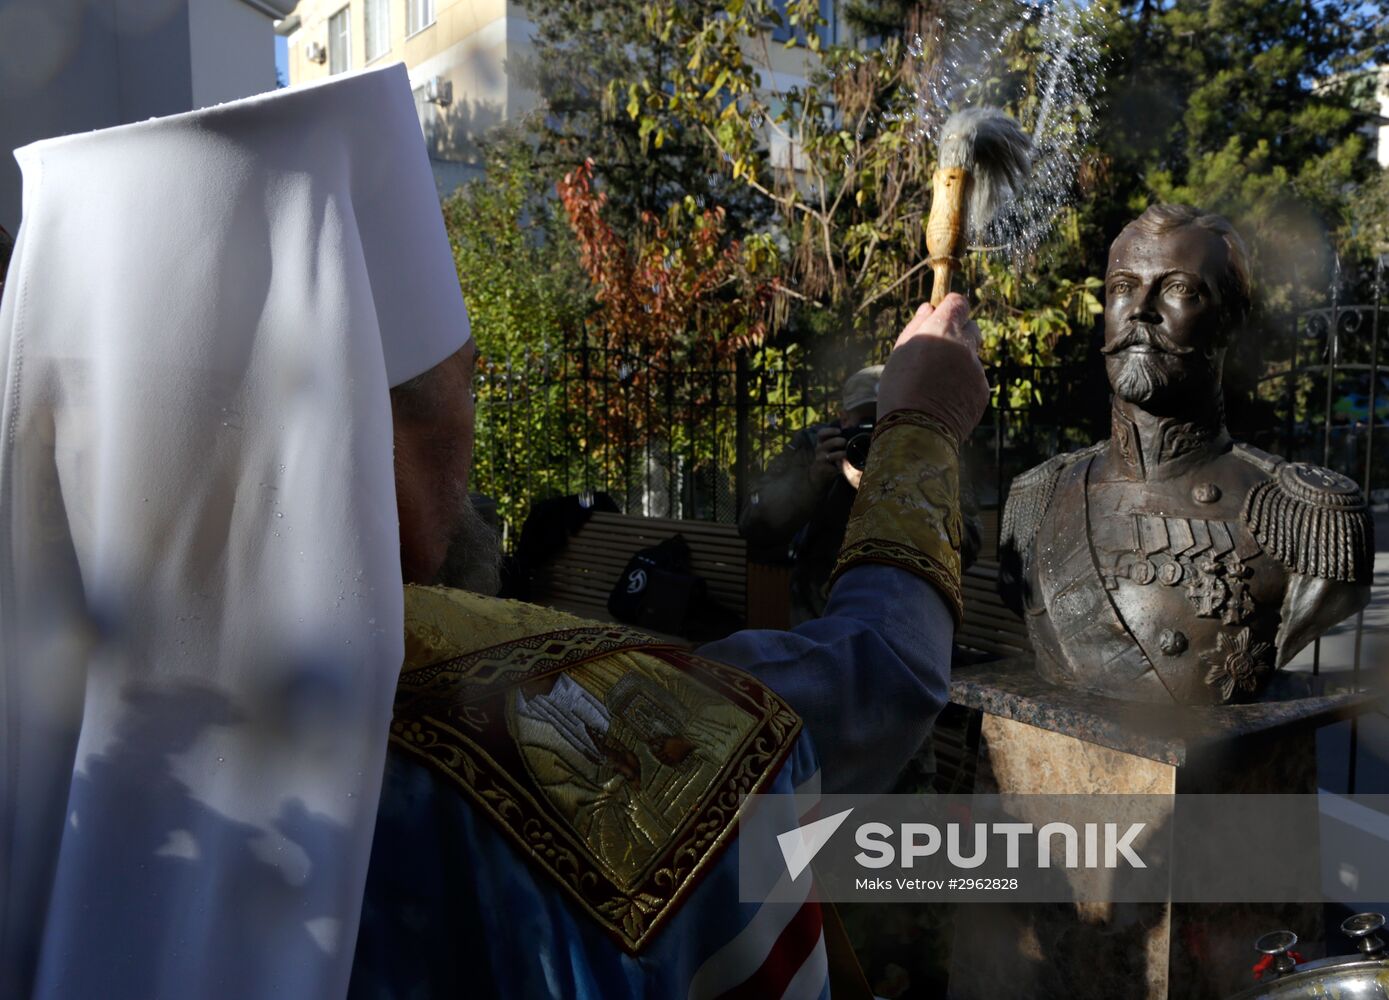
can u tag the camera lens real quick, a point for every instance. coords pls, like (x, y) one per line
(856, 450)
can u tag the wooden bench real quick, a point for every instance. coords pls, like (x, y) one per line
(990, 628)
(581, 577)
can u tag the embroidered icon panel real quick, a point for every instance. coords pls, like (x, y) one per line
(617, 766)
(625, 748)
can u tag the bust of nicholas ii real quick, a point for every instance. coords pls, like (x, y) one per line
(1169, 563)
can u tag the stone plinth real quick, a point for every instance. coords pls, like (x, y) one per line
(1036, 738)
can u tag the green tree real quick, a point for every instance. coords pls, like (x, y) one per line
(1248, 108)
(843, 158)
(589, 57)
(1369, 213)
(526, 292)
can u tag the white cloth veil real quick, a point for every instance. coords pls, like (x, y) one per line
(201, 609)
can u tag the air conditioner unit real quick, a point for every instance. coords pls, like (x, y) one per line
(315, 52)
(439, 91)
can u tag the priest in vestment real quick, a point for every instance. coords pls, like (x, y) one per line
(249, 750)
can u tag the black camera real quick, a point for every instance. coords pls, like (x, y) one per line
(856, 450)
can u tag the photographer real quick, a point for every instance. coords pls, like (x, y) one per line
(802, 502)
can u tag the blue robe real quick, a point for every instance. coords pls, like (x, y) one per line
(452, 909)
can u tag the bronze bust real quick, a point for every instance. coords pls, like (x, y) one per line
(1169, 563)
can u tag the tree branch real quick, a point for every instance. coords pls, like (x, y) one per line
(753, 182)
(883, 293)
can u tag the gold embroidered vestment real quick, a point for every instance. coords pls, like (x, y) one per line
(615, 764)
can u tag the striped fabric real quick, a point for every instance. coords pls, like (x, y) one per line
(781, 951)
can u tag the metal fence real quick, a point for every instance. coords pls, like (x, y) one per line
(1330, 388)
(682, 436)
(687, 436)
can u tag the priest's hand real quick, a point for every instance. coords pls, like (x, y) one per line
(934, 367)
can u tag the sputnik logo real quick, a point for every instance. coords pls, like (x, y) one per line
(799, 846)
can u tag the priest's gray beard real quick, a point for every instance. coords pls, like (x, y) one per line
(474, 559)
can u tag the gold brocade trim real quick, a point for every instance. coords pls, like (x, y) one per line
(915, 418)
(880, 550)
(443, 624)
(616, 766)
(907, 512)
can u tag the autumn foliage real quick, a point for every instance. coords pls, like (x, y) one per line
(675, 298)
(679, 282)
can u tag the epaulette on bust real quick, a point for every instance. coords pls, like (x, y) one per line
(1312, 520)
(1030, 495)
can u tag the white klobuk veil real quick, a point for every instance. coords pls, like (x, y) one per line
(201, 609)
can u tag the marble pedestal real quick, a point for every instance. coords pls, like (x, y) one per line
(1035, 738)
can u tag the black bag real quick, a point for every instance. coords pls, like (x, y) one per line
(657, 590)
(545, 533)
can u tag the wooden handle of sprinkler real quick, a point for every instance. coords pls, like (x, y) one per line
(945, 228)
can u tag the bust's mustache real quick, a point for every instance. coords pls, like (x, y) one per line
(1143, 335)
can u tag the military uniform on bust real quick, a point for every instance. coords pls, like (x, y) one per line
(1197, 571)
(1170, 563)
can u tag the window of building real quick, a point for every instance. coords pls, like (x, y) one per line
(421, 15)
(828, 31)
(339, 51)
(428, 115)
(378, 28)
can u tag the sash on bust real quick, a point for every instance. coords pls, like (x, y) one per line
(1078, 604)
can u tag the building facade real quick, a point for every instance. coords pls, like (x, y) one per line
(459, 54)
(462, 57)
(1382, 125)
(69, 66)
